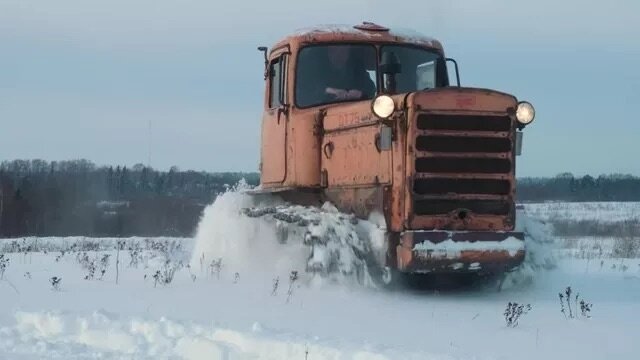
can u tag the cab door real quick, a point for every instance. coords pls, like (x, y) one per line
(274, 123)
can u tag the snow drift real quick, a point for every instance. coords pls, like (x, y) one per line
(263, 236)
(539, 244)
(242, 244)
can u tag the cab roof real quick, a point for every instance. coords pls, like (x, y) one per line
(365, 32)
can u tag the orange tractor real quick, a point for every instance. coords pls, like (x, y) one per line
(371, 121)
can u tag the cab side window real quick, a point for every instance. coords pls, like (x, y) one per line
(277, 81)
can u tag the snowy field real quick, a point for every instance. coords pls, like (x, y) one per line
(604, 212)
(173, 298)
(593, 229)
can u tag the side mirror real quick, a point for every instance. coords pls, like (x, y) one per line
(264, 50)
(390, 64)
(441, 74)
(455, 63)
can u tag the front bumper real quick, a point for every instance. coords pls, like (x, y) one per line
(458, 251)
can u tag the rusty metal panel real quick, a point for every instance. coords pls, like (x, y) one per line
(361, 201)
(273, 155)
(304, 140)
(464, 99)
(469, 261)
(415, 237)
(410, 259)
(351, 158)
(350, 151)
(395, 195)
(348, 116)
(348, 34)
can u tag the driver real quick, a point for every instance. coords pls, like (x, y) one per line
(342, 79)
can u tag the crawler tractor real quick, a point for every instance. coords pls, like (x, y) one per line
(372, 120)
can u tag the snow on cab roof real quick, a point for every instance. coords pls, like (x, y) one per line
(366, 31)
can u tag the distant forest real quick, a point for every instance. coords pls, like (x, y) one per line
(67, 198)
(566, 187)
(40, 198)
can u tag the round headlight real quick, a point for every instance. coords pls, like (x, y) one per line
(383, 106)
(525, 113)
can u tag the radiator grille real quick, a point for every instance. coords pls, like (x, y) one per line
(462, 163)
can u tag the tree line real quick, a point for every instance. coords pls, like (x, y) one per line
(64, 198)
(567, 187)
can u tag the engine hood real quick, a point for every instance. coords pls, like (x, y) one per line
(463, 99)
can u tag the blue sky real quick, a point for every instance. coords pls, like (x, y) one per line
(85, 79)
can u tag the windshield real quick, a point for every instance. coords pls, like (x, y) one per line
(418, 68)
(335, 73)
(347, 72)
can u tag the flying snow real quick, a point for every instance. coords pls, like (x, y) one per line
(263, 235)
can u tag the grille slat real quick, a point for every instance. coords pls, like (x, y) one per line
(463, 122)
(461, 197)
(461, 186)
(463, 165)
(462, 144)
(482, 207)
